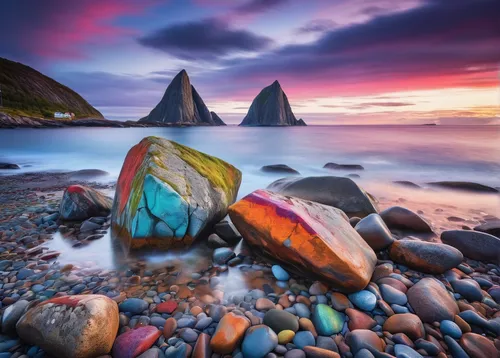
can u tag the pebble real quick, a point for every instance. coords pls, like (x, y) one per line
(364, 300)
(327, 321)
(392, 295)
(450, 328)
(403, 351)
(280, 273)
(285, 336)
(304, 338)
(133, 305)
(280, 320)
(259, 341)
(223, 255)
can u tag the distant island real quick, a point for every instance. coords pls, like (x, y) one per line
(271, 108)
(181, 104)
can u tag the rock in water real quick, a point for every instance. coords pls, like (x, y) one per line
(82, 326)
(271, 108)
(80, 202)
(167, 194)
(279, 169)
(339, 192)
(304, 236)
(217, 120)
(181, 104)
(424, 256)
(474, 244)
(398, 217)
(465, 186)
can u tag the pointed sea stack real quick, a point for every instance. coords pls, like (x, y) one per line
(181, 105)
(218, 121)
(271, 108)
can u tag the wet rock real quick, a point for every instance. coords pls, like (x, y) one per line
(280, 273)
(223, 255)
(90, 332)
(280, 320)
(406, 323)
(279, 169)
(9, 166)
(469, 289)
(335, 166)
(490, 227)
(478, 346)
(167, 194)
(135, 342)
(473, 244)
(364, 300)
(339, 192)
(229, 333)
(398, 217)
(259, 341)
(374, 231)
(424, 256)
(11, 315)
(308, 236)
(80, 202)
(133, 305)
(364, 339)
(327, 321)
(431, 301)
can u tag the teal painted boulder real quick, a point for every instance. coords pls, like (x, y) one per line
(167, 194)
(327, 321)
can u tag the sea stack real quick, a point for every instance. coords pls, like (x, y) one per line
(182, 105)
(271, 108)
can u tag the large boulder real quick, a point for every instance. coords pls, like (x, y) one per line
(474, 244)
(431, 301)
(339, 192)
(306, 237)
(81, 202)
(167, 194)
(424, 256)
(83, 326)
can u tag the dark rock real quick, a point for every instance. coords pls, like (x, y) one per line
(468, 288)
(271, 108)
(280, 320)
(364, 339)
(465, 186)
(279, 169)
(425, 256)
(181, 104)
(407, 184)
(228, 232)
(374, 231)
(406, 323)
(214, 242)
(80, 202)
(339, 192)
(86, 174)
(217, 120)
(490, 227)
(478, 346)
(9, 166)
(11, 315)
(474, 244)
(398, 217)
(335, 166)
(431, 301)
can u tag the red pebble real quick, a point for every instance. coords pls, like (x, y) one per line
(166, 307)
(135, 342)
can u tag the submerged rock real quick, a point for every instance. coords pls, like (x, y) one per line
(474, 244)
(9, 166)
(271, 108)
(407, 184)
(82, 326)
(167, 194)
(278, 169)
(465, 186)
(305, 236)
(398, 217)
(335, 166)
(491, 227)
(339, 192)
(424, 256)
(80, 202)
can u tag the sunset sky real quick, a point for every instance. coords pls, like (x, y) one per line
(339, 61)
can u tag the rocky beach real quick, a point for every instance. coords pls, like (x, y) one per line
(305, 267)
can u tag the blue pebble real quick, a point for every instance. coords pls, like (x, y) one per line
(302, 310)
(258, 342)
(403, 351)
(280, 273)
(364, 300)
(133, 305)
(450, 328)
(304, 338)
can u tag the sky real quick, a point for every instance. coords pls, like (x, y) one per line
(338, 61)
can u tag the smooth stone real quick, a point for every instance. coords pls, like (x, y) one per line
(214, 241)
(151, 353)
(424, 256)
(133, 305)
(364, 353)
(279, 169)
(398, 217)
(304, 338)
(259, 341)
(316, 352)
(450, 328)
(188, 335)
(264, 304)
(11, 316)
(317, 289)
(280, 273)
(223, 255)
(478, 346)
(359, 320)
(392, 295)
(280, 320)
(474, 244)
(374, 231)
(454, 348)
(166, 307)
(431, 301)
(286, 336)
(327, 321)
(229, 333)
(81, 202)
(469, 289)
(202, 347)
(406, 323)
(169, 327)
(364, 339)
(295, 353)
(135, 342)
(364, 300)
(301, 310)
(490, 227)
(403, 351)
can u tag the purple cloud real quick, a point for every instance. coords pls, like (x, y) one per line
(258, 6)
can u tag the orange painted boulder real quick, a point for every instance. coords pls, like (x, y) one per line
(82, 326)
(306, 237)
(229, 333)
(167, 194)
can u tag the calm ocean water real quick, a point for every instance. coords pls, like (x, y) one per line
(415, 153)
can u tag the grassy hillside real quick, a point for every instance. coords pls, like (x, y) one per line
(27, 92)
